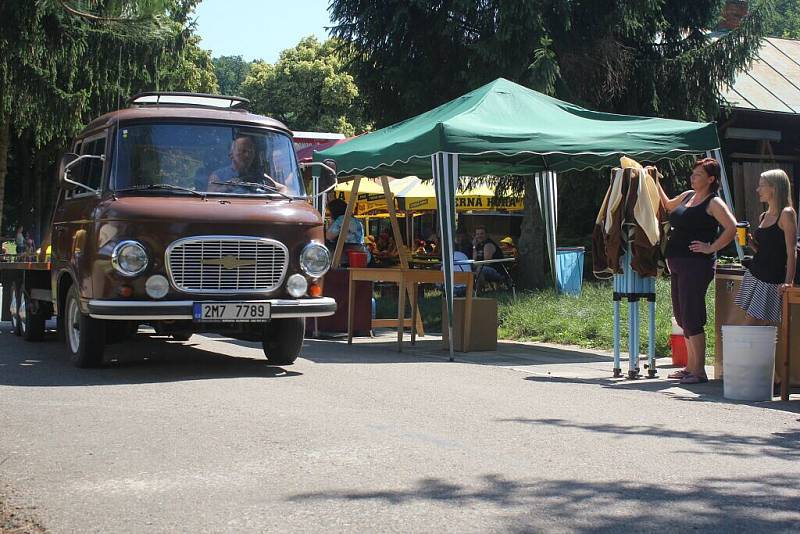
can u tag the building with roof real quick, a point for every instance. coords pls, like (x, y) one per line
(760, 129)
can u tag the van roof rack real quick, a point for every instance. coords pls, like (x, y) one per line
(155, 98)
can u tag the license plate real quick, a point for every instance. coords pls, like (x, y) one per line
(231, 312)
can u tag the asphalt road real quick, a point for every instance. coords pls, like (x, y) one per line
(204, 436)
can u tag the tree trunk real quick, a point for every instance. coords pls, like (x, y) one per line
(4, 143)
(23, 169)
(532, 251)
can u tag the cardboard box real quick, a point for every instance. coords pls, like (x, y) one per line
(483, 330)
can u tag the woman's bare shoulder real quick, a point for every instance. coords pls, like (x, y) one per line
(788, 216)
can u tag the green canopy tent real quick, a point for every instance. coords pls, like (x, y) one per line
(503, 128)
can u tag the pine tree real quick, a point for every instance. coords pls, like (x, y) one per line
(65, 62)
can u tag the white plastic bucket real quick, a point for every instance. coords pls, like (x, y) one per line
(676, 330)
(748, 362)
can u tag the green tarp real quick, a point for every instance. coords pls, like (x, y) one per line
(505, 128)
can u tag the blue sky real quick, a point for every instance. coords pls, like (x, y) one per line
(258, 29)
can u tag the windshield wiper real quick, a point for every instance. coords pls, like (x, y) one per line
(162, 186)
(255, 185)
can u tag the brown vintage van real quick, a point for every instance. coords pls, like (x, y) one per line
(185, 212)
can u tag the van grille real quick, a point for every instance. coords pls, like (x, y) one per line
(227, 264)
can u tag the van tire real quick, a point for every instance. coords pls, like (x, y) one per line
(283, 339)
(31, 318)
(85, 336)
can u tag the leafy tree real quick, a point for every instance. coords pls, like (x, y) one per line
(64, 62)
(308, 88)
(785, 21)
(231, 72)
(649, 57)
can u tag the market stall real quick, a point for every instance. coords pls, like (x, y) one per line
(503, 128)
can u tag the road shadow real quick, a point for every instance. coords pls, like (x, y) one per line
(768, 503)
(383, 349)
(711, 391)
(143, 359)
(783, 445)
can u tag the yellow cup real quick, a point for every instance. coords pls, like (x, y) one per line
(741, 232)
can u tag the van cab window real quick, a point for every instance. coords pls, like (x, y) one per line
(92, 168)
(205, 158)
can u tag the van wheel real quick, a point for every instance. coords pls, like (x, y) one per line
(31, 318)
(13, 307)
(283, 339)
(85, 337)
(181, 336)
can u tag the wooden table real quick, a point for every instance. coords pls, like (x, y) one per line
(792, 296)
(406, 279)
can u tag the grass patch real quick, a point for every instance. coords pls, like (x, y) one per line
(585, 321)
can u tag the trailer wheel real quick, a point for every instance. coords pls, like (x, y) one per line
(283, 339)
(31, 318)
(85, 336)
(14, 309)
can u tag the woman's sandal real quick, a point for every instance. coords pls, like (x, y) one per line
(679, 374)
(694, 379)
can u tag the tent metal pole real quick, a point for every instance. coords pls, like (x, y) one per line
(445, 176)
(617, 364)
(726, 191)
(651, 340)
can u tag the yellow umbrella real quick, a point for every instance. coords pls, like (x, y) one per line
(367, 190)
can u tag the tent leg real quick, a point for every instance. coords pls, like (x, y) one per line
(651, 341)
(444, 168)
(726, 191)
(633, 339)
(547, 193)
(617, 364)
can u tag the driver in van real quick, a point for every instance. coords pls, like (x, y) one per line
(243, 167)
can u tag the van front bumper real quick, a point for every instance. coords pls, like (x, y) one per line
(143, 310)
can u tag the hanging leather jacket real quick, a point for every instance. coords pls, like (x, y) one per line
(630, 214)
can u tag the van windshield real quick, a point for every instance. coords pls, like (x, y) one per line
(205, 158)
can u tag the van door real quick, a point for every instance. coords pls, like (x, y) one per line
(73, 221)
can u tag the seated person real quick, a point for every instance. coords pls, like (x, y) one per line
(244, 167)
(385, 247)
(355, 231)
(463, 242)
(369, 241)
(459, 265)
(484, 248)
(508, 248)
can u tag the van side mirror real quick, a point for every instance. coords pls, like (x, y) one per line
(67, 161)
(327, 177)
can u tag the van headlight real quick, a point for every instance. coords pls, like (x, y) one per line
(297, 285)
(315, 260)
(129, 258)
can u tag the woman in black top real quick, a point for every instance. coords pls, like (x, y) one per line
(695, 217)
(773, 266)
